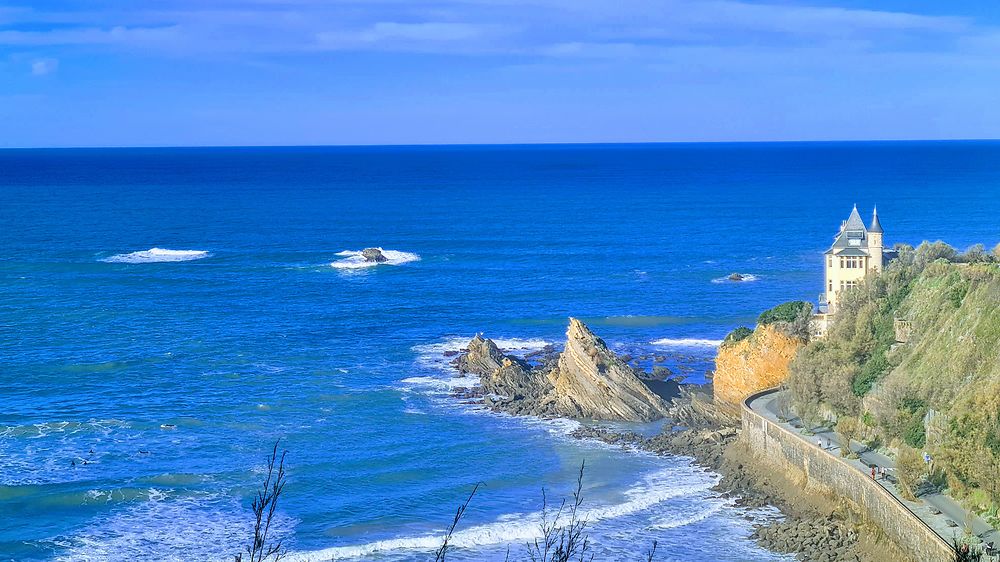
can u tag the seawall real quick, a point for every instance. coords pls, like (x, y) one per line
(826, 473)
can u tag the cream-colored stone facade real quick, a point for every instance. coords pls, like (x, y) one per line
(857, 249)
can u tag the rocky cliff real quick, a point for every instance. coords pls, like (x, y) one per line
(753, 363)
(586, 381)
(590, 381)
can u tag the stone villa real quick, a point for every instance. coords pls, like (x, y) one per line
(857, 249)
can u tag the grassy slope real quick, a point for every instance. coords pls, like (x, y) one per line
(940, 391)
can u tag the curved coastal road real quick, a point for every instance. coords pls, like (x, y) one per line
(940, 512)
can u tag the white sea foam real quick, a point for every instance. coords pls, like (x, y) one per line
(157, 255)
(439, 355)
(746, 277)
(201, 527)
(682, 519)
(686, 342)
(354, 260)
(655, 489)
(457, 343)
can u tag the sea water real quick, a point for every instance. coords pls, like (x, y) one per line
(166, 315)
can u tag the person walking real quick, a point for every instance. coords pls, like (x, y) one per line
(873, 472)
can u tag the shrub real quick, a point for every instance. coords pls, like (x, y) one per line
(872, 371)
(915, 435)
(737, 335)
(910, 469)
(785, 312)
(849, 429)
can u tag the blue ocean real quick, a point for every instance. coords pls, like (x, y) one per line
(166, 315)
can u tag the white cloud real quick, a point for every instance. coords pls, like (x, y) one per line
(88, 36)
(41, 67)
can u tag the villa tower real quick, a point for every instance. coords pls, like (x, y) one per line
(856, 250)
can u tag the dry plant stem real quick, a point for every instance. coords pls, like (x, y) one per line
(264, 508)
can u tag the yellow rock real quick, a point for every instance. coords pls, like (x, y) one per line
(753, 364)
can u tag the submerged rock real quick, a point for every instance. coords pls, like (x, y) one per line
(373, 255)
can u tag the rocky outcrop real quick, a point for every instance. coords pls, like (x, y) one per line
(373, 255)
(586, 381)
(481, 357)
(752, 364)
(591, 382)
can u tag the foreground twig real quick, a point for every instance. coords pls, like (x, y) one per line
(264, 507)
(443, 549)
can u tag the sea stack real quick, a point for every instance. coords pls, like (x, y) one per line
(586, 381)
(590, 381)
(373, 255)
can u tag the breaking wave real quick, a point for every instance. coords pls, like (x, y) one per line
(655, 489)
(745, 278)
(686, 342)
(169, 528)
(157, 255)
(354, 260)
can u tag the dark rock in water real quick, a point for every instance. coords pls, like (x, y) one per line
(481, 357)
(660, 372)
(665, 389)
(373, 255)
(735, 277)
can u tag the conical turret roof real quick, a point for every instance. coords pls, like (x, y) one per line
(876, 226)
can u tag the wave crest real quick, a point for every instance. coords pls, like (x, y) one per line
(656, 488)
(686, 342)
(157, 255)
(744, 278)
(353, 259)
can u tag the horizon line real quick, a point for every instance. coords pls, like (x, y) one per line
(504, 144)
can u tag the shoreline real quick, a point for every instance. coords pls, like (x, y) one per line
(823, 528)
(585, 377)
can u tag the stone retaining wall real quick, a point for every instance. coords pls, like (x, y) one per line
(827, 473)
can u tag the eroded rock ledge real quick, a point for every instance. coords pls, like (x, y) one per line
(585, 381)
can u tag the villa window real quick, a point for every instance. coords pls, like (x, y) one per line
(852, 262)
(844, 285)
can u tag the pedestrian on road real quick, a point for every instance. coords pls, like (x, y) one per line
(873, 472)
(819, 443)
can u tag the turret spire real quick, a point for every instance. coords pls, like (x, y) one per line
(876, 226)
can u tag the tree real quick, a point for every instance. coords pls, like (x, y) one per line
(849, 429)
(911, 469)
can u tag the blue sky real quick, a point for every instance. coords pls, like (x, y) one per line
(246, 72)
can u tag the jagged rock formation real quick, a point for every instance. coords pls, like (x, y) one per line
(587, 381)
(590, 381)
(373, 255)
(754, 363)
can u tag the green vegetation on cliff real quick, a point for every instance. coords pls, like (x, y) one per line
(790, 318)
(915, 354)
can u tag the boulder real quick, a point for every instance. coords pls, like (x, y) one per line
(373, 255)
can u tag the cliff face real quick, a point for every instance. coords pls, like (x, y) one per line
(590, 381)
(587, 381)
(752, 364)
